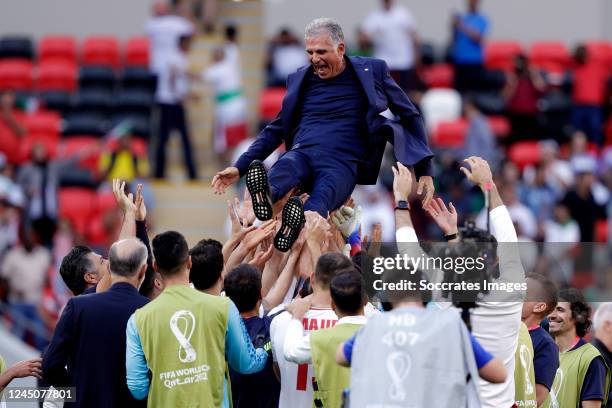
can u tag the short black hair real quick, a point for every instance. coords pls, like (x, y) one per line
(347, 292)
(231, 32)
(74, 267)
(206, 263)
(127, 265)
(243, 286)
(581, 310)
(170, 251)
(546, 294)
(329, 265)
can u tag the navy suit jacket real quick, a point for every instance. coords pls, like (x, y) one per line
(88, 347)
(405, 130)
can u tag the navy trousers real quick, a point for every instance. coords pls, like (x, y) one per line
(328, 179)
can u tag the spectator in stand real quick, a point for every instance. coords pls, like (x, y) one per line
(231, 104)
(589, 95)
(164, 29)
(259, 390)
(286, 55)
(559, 173)
(363, 47)
(11, 131)
(538, 195)
(479, 139)
(392, 31)
(172, 90)
(469, 31)
(561, 234)
(524, 87)
(123, 162)
(230, 46)
(25, 268)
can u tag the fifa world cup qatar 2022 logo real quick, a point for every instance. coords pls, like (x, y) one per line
(182, 324)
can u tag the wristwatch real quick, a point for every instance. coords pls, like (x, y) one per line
(402, 205)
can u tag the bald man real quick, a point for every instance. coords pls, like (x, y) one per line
(88, 346)
(602, 323)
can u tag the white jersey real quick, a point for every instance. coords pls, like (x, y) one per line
(296, 380)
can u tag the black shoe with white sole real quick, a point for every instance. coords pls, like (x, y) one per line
(293, 220)
(257, 184)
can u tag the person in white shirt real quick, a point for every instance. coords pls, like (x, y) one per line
(286, 55)
(495, 321)
(392, 30)
(163, 30)
(231, 105)
(172, 90)
(296, 379)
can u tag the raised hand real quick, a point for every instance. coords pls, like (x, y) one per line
(141, 208)
(347, 219)
(263, 254)
(224, 179)
(445, 218)
(402, 182)
(124, 202)
(426, 186)
(256, 236)
(479, 173)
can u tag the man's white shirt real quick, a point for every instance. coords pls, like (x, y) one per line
(494, 324)
(163, 33)
(174, 66)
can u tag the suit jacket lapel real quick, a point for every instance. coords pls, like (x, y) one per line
(291, 98)
(365, 74)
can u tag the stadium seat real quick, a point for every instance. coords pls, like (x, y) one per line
(16, 75)
(138, 78)
(105, 201)
(96, 234)
(134, 103)
(9, 144)
(57, 48)
(56, 101)
(93, 102)
(270, 103)
(438, 76)
(137, 52)
(101, 50)
(78, 145)
(43, 123)
(440, 105)
(524, 153)
(490, 103)
(450, 134)
(56, 75)
(500, 54)
(551, 54)
(27, 143)
(97, 77)
(76, 205)
(600, 52)
(500, 125)
(16, 47)
(601, 231)
(81, 124)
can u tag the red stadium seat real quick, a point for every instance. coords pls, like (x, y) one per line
(76, 205)
(500, 125)
(600, 52)
(270, 103)
(592, 149)
(548, 54)
(500, 54)
(78, 144)
(9, 141)
(601, 231)
(16, 74)
(43, 123)
(450, 134)
(438, 76)
(524, 153)
(137, 52)
(27, 143)
(105, 201)
(101, 51)
(96, 232)
(57, 75)
(57, 48)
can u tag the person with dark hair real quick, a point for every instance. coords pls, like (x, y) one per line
(207, 266)
(82, 269)
(88, 346)
(540, 302)
(415, 336)
(260, 390)
(185, 338)
(319, 347)
(583, 379)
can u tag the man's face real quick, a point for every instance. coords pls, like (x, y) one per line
(326, 59)
(100, 265)
(561, 319)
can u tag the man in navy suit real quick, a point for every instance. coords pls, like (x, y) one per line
(333, 127)
(88, 346)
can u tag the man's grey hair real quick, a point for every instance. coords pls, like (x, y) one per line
(325, 25)
(602, 315)
(124, 261)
